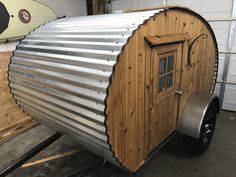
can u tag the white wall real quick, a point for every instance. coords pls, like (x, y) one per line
(67, 7)
(10, 46)
(118, 5)
(207, 8)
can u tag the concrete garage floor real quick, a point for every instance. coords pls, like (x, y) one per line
(171, 161)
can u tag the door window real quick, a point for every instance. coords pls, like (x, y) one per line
(166, 72)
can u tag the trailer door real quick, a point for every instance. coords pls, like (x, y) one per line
(164, 91)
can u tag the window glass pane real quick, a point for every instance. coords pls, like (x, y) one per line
(169, 80)
(161, 83)
(162, 66)
(170, 65)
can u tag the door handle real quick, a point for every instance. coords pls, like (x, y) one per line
(179, 92)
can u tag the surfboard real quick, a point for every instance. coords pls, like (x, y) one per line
(19, 17)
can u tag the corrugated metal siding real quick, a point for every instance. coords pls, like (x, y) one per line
(61, 71)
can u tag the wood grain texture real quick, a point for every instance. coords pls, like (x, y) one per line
(10, 112)
(166, 39)
(133, 131)
(51, 158)
(16, 128)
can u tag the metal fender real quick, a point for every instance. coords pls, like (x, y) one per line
(194, 112)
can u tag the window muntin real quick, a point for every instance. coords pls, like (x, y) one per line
(166, 72)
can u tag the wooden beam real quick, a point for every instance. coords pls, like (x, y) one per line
(157, 40)
(54, 157)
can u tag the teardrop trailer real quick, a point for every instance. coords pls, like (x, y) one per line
(121, 84)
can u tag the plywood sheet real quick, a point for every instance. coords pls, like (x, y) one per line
(9, 110)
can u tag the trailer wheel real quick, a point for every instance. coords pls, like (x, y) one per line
(199, 146)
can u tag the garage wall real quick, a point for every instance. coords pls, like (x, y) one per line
(67, 7)
(218, 13)
(119, 5)
(208, 9)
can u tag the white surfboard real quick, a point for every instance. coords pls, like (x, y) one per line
(24, 16)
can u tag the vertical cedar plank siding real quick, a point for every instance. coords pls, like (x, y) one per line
(127, 117)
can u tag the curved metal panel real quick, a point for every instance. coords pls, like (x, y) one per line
(194, 112)
(61, 71)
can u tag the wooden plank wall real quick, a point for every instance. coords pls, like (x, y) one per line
(128, 96)
(10, 113)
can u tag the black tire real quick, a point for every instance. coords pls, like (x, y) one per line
(199, 146)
